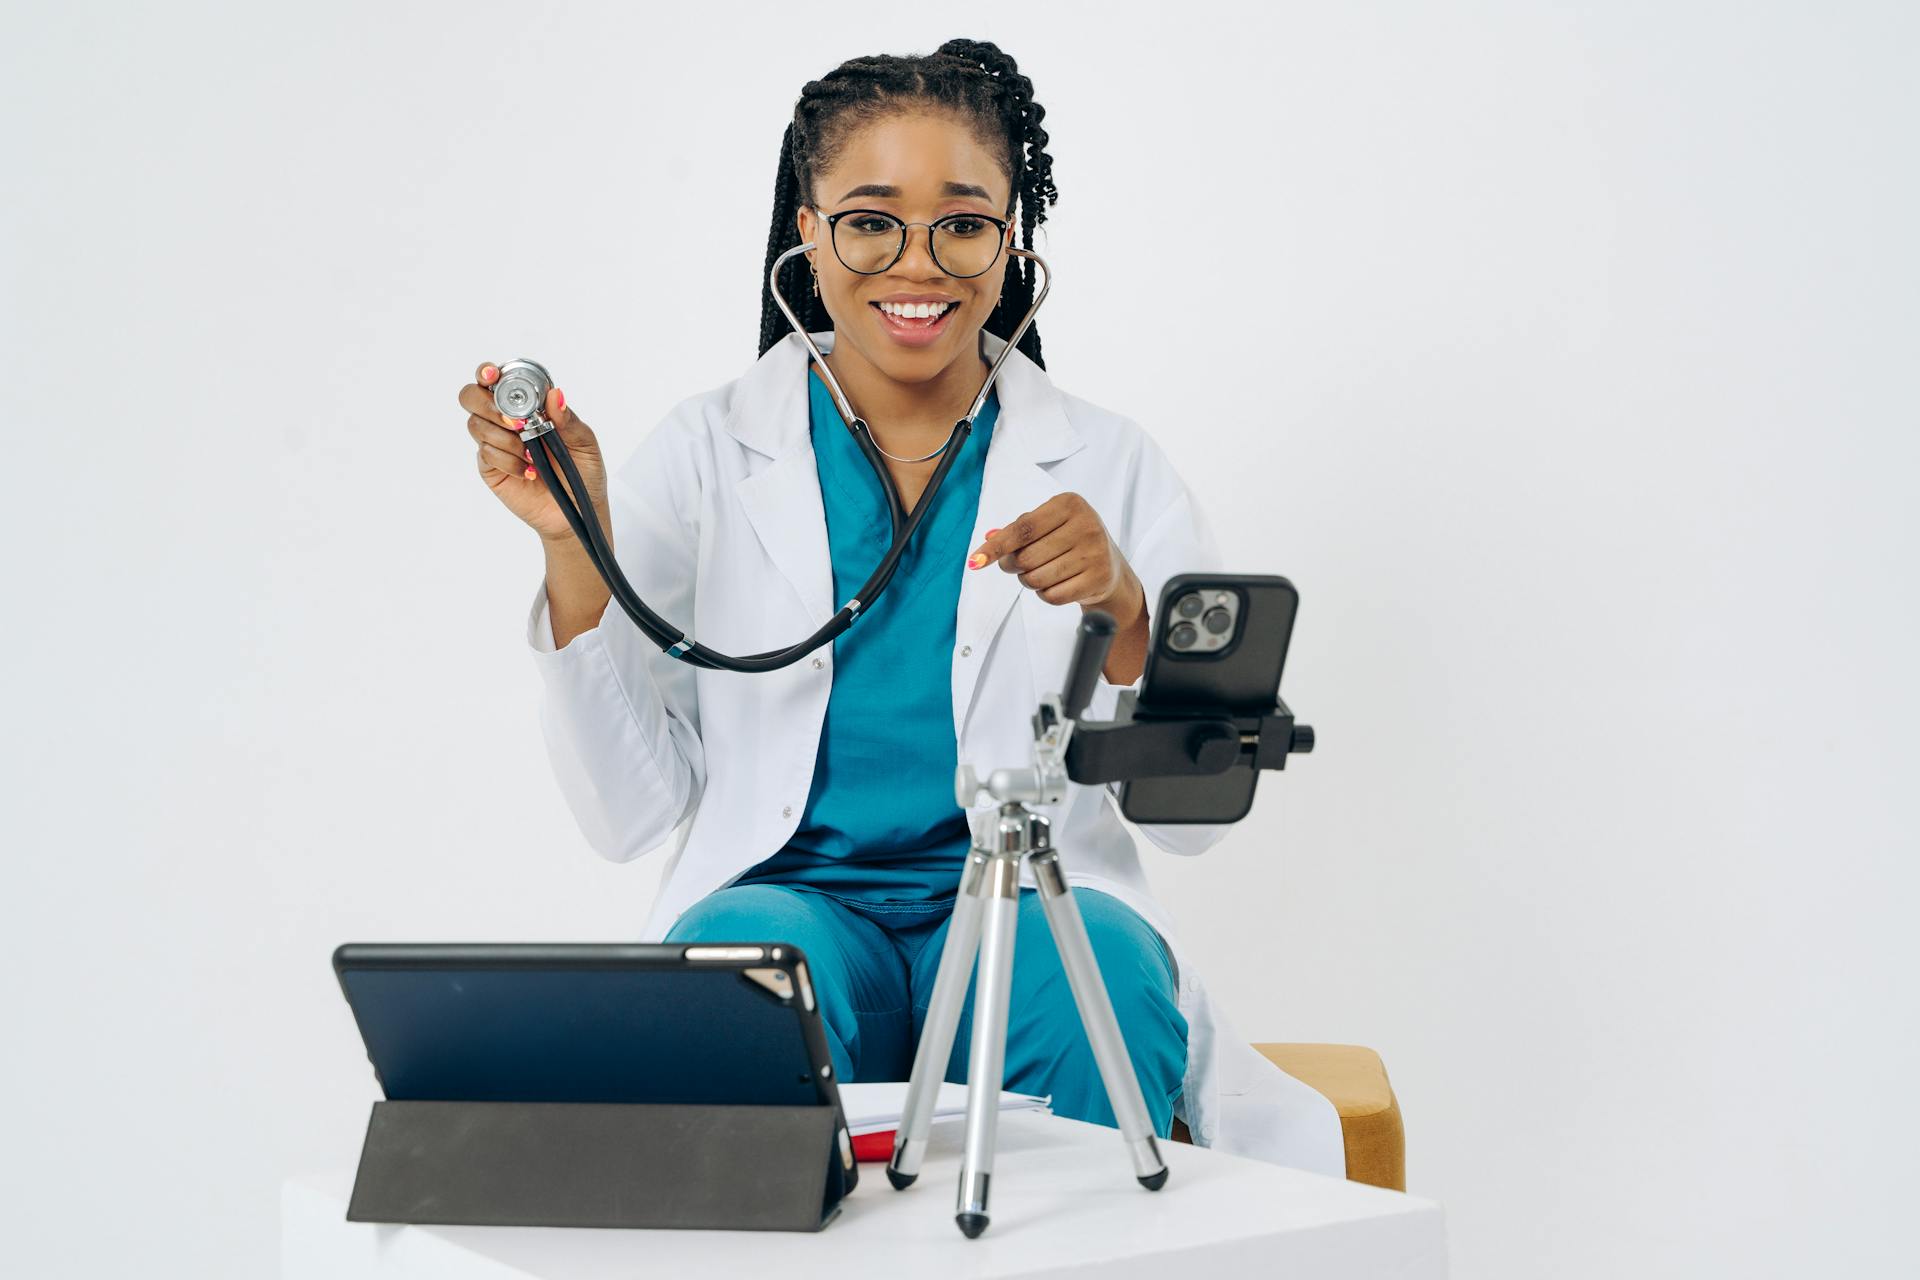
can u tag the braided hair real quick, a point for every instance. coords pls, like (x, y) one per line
(972, 77)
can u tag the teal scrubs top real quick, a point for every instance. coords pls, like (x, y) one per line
(881, 830)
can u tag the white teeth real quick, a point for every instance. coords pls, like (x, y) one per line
(915, 310)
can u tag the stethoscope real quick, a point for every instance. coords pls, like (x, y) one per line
(521, 393)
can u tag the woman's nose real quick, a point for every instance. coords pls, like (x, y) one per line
(917, 257)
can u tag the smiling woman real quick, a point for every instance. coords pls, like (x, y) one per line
(815, 804)
(974, 142)
(905, 174)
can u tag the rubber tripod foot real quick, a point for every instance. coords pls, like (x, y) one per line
(1155, 1181)
(971, 1224)
(901, 1181)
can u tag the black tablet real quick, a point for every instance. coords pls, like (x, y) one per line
(590, 1022)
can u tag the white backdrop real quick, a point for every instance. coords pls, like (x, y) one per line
(1561, 355)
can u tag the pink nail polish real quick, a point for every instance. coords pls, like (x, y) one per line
(559, 400)
(531, 473)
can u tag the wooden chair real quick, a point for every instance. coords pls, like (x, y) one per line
(1355, 1081)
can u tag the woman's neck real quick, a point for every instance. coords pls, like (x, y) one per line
(909, 418)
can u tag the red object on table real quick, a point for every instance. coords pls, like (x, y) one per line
(874, 1146)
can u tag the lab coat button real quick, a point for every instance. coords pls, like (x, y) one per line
(786, 811)
(966, 651)
(817, 664)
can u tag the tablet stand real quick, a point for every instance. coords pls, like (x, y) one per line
(603, 1164)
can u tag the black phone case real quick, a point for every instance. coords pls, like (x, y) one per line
(1242, 679)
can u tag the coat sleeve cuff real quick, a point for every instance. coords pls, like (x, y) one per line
(540, 633)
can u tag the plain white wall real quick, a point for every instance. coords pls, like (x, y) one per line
(1562, 355)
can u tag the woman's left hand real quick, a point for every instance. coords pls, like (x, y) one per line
(1063, 551)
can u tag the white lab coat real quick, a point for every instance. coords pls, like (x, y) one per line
(718, 523)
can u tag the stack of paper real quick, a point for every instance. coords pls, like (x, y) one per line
(873, 1111)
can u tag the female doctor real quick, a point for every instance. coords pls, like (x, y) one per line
(815, 803)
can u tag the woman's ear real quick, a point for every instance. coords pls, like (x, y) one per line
(803, 218)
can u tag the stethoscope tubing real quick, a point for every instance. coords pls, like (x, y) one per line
(548, 450)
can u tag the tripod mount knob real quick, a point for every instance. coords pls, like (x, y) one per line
(1214, 747)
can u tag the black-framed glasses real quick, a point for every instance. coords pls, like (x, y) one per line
(868, 241)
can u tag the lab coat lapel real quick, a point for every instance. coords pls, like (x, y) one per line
(1031, 430)
(1011, 485)
(784, 506)
(782, 499)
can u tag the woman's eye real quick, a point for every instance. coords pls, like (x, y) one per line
(965, 226)
(871, 226)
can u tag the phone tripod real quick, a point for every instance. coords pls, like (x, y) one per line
(983, 920)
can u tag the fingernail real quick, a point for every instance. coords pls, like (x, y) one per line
(517, 423)
(559, 399)
(991, 532)
(527, 454)
(975, 560)
(531, 473)
(488, 373)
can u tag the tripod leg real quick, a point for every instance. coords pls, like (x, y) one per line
(1096, 1015)
(988, 1061)
(943, 1019)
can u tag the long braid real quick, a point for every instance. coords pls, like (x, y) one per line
(782, 236)
(1035, 189)
(974, 77)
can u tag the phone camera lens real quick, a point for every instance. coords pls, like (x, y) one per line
(1183, 636)
(1190, 605)
(1217, 622)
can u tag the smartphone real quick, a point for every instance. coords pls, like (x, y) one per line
(1219, 647)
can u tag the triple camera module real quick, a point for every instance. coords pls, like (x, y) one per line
(1206, 621)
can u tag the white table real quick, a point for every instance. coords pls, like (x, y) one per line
(1064, 1198)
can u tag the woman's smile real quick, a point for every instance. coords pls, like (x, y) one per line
(914, 323)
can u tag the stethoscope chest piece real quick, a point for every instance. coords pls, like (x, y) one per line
(522, 389)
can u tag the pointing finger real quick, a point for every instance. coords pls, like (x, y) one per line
(979, 556)
(1036, 523)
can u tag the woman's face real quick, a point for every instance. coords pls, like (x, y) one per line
(918, 167)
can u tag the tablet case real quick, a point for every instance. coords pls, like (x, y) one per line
(536, 1131)
(603, 1164)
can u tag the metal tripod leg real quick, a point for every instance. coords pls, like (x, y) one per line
(985, 920)
(1096, 1016)
(988, 1061)
(943, 1019)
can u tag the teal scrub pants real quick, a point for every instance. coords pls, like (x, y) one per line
(873, 972)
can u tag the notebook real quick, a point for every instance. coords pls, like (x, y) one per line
(873, 1111)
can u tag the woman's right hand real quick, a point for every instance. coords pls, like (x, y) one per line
(506, 464)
